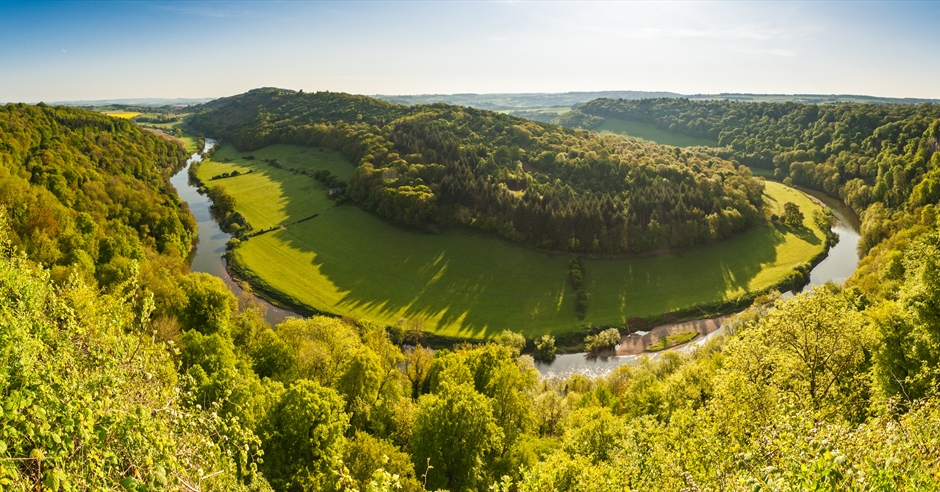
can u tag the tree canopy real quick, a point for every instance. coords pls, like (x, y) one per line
(429, 166)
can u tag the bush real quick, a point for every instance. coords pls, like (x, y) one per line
(792, 216)
(515, 341)
(545, 348)
(608, 338)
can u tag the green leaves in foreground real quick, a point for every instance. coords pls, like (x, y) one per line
(90, 402)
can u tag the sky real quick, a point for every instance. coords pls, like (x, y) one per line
(63, 51)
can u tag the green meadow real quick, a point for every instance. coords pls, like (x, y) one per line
(648, 131)
(270, 196)
(468, 284)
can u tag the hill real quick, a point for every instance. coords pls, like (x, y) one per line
(427, 167)
(89, 194)
(163, 380)
(536, 101)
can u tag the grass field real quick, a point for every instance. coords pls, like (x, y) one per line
(121, 114)
(670, 341)
(168, 125)
(648, 131)
(759, 171)
(462, 283)
(271, 196)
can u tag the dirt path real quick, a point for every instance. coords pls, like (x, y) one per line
(635, 344)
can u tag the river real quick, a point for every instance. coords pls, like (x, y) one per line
(207, 257)
(839, 265)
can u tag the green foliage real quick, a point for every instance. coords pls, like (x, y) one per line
(88, 194)
(514, 341)
(455, 433)
(576, 277)
(365, 455)
(89, 400)
(304, 436)
(209, 304)
(792, 215)
(606, 339)
(437, 164)
(545, 348)
(862, 153)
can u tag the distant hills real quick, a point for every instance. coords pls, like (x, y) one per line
(536, 100)
(522, 101)
(139, 101)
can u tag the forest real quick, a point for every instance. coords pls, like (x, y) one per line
(879, 159)
(119, 369)
(427, 167)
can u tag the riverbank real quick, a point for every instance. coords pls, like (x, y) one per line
(209, 258)
(464, 285)
(207, 255)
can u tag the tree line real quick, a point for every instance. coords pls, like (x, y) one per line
(163, 379)
(438, 165)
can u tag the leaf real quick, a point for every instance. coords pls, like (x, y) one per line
(130, 484)
(53, 480)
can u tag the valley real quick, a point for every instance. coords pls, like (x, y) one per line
(466, 284)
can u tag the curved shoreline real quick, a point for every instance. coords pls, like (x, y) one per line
(706, 313)
(567, 343)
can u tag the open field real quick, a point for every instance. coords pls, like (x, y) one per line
(648, 131)
(467, 284)
(270, 196)
(121, 114)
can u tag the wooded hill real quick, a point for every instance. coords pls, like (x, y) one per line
(163, 380)
(87, 193)
(534, 183)
(876, 158)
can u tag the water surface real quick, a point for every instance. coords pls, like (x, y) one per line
(207, 255)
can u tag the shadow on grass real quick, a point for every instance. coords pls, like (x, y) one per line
(475, 285)
(624, 289)
(804, 233)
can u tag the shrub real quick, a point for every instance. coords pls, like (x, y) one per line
(545, 348)
(608, 338)
(515, 341)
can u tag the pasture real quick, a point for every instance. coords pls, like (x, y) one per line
(270, 196)
(468, 284)
(648, 131)
(121, 114)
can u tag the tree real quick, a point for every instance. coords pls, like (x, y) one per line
(321, 346)
(814, 348)
(513, 340)
(221, 200)
(366, 455)
(792, 215)
(603, 340)
(454, 432)
(545, 348)
(417, 367)
(209, 304)
(303, 438)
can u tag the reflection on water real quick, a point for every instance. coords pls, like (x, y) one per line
(843, 257)
(207, 256)
(565, 365)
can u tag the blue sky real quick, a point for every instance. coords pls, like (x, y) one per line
(53, 51)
